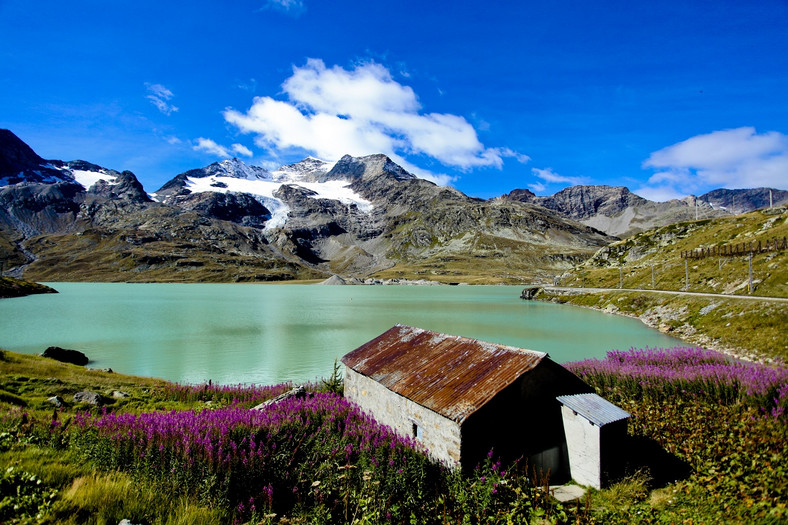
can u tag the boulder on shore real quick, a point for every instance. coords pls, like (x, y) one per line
(90, 398)
(65, 355)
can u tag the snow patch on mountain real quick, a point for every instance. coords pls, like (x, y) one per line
(263, 190)
(89, 178)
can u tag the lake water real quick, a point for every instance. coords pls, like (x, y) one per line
(265, 334)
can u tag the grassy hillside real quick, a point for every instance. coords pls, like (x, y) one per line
(630, 261)
(653, 260)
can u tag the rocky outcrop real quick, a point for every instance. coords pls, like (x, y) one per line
(530, 293)
(65, 355)
(238, 208)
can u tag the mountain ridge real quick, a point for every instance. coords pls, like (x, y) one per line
(619, 212)
(357, 217)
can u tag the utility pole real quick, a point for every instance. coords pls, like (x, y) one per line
(652, 278)
(749, 288)
(620, 278)
(686, 275)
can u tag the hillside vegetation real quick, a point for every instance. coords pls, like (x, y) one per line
(750, 329)
(661, 249)
(710, 438)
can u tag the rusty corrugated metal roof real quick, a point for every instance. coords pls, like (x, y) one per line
(451, 375)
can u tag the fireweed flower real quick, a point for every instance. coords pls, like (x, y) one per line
(247, 456)
(662, 373)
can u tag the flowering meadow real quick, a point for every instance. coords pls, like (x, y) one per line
(683, 372)
(318, 457)
(200, 454)
(296, 452)
(724, 419)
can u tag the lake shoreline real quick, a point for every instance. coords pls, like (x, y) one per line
(688, 319)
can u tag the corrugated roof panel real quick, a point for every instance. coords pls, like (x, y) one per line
(451, 375)
(596, 409)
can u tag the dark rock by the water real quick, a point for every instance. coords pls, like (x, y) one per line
(65, 355)
(529, 293)
(90, 398)
(296, 392)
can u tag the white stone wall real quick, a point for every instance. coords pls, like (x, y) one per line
(440, 435)
(583, 448)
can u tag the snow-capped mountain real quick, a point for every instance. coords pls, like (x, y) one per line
(236, 177)
(233, 222)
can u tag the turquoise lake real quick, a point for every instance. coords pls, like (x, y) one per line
(265, 334)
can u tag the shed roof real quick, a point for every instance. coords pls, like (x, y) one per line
(594, 408)
(451, 375)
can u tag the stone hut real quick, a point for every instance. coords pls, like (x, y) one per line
(462, 397)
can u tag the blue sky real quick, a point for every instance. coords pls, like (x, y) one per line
(667, 98)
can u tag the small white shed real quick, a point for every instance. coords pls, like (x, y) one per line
(595, 432)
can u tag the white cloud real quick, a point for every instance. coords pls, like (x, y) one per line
(537, 187)
(293, 7)
(160, 97)
(658, 193)
(240, 149)
(209, 146)
(333, 111)
(732, 158)
(551, 177)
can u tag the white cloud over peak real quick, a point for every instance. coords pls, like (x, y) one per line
(548, 176)
(732, 158)
(210, 146)
(160, 96)
(333, 111)
(240, 149)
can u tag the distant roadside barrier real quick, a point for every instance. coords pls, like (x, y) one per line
(732, 250)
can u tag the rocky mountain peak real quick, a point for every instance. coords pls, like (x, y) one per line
(358, 168)
(308, 170)
(238, 169)
(583, 201)
(19, 163)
